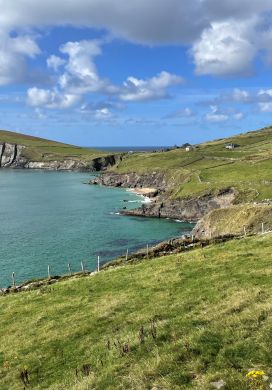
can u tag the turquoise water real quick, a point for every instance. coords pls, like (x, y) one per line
(53, 218)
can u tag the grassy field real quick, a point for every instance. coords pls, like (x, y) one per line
(177, 322)
(39, 149)
(211, 167)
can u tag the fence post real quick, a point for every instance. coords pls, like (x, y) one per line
(147, 250)
(69, 269)
(262, 228)
(127, 255)
(48, 271)
(13, 279)
(98, 263)
(82, 266)
(245, 232)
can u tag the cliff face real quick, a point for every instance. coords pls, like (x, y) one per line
(132, 180)
(163, 206)
(11, 156)
(184, 209)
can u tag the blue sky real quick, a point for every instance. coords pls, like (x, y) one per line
(164, 72)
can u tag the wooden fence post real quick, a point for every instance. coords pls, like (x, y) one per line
(98, 263)
(69, 269)
(147, 250)
(13, 279)
(262, 228)
(127, 255)
(82, 266)
(48, 271)
(245, 232)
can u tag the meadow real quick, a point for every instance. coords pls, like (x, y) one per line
(176, 322)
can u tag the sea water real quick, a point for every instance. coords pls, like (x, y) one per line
(55, 218)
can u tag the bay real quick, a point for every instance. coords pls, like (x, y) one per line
(53, 218)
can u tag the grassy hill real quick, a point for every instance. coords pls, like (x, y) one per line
(176, 322)
(39, 149)
(211, 167)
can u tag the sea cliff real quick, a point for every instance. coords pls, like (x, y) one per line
(14, 156)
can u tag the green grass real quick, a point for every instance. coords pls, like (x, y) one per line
(39, 149)
(210, 167)
(209, 311)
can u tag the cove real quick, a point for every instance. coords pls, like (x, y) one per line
(53, 218)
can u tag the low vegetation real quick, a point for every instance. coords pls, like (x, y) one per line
(237, 220)
(176, 322)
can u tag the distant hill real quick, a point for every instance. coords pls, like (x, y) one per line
(212, 166)
(39, 149)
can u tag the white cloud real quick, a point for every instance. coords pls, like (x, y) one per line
(225, 36)
(224, 49)
(241, 96)
(264, 99)
(50, 99)
(154, 88)
(80, 76)
(13, 51)
(182, 113)
(55, 62)
(216, 115)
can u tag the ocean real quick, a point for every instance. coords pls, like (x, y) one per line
(53, 218)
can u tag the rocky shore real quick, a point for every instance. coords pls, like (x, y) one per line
(12, 156)
(162, 206)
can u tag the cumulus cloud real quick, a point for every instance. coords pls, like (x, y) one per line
(265, 100)
(13, 51)
(55, 62)
(225, 36)
(224, 48)
(215, 115)
(38, 97)
(154, 88)
(80, 76)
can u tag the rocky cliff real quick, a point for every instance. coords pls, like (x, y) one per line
(12, 156)
(132, 180)
(185, 209)
(162, 206)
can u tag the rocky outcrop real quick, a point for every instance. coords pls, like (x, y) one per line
(237, 220)
(132, 180)
(185, 209)
(163, 206)
(97, 164)
(11, 156)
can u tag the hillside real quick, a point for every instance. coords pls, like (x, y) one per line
(177, 322)
(39, 149)
(210, 167)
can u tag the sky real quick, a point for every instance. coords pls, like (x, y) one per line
(116, 73)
